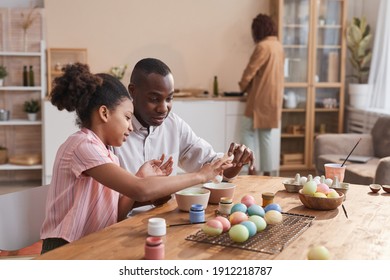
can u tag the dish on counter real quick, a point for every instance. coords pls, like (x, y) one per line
(291, 186)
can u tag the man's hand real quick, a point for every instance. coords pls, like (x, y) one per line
(242, 156)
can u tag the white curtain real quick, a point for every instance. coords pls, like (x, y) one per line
(379, 77)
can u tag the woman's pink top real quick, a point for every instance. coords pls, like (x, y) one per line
(77, 204)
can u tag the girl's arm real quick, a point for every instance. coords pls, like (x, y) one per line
(150, 188)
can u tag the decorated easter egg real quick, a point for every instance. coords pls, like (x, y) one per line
(225, 223)
(272, 206)
(332, 194)
(237, 217)
(212, 227)
(248, 200)
(239, 233)
(323, 188)
(255, 209)
(310, 187)
(260, 223)
(238, 207)
(273, 217)
(252, 229)
(318, 252)
(319, 194)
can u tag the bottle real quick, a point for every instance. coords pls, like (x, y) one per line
(197, 213)
(268, 198)
(31, 76)
(157, 227)
(215, 87)
(225, 206)
(25, 76)
(154, 248)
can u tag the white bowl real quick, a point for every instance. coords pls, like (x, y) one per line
(219, 190)
(192, 195)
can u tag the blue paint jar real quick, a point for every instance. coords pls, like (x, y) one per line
(197, 213)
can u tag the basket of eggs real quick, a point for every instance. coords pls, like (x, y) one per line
(320, 196)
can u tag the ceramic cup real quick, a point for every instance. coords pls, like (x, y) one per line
(335, 169)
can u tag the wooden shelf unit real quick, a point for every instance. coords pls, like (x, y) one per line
(19, 135)
(312, 33)
(58, 58)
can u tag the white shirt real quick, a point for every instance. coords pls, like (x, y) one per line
(174, 137)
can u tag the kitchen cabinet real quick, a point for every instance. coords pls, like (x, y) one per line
(218, 121)
(21, 137)
(58, 58)
(315, 53)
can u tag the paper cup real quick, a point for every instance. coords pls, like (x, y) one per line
(334, 169)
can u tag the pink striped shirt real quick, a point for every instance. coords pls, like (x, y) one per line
(77, 204)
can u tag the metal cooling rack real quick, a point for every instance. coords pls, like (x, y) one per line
(272, 240)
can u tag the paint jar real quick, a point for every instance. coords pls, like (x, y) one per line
(157, 227)
(154, 248)
(197, 213)
(268, 198)
(225, 205)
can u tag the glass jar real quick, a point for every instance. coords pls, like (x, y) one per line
(197, 213)
(225, 205)
(154, 248)
(157, 227)
(268, 198)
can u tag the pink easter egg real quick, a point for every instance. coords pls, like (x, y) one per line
(225, 223)
(323, 188)
(212, 227)
(248, 200)
(237, 217)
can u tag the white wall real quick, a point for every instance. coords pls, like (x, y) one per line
(196, 38)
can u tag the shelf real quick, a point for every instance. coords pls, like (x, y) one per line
(20, 122)
(290, 135)
(8, 166)
(20, 88)
(327, 110)
(296, 110)
(37, 54)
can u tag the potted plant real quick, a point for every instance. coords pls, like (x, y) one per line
(32, 107)
(3, 74)
(358, 42)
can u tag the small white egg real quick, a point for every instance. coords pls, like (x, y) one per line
(218, 179)
(303, 180)
(329, 182)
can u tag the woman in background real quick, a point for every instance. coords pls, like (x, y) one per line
(89, 190)
(263, 81)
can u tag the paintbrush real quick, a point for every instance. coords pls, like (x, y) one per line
(185, 224)
(345, 211)
(351, 152)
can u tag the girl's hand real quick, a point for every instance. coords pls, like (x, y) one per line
(156, 167)
(210, 170)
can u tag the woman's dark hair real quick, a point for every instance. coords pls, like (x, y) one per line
(81, 91)
(263, 26)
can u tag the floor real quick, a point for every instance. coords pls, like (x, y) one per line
(25, 253)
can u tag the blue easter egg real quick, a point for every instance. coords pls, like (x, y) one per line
(251, 226)
(255, 209)
(238, 207)
(273, 206)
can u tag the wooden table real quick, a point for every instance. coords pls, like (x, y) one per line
(364, 235)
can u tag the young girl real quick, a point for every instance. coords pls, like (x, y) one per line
(89, 190)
